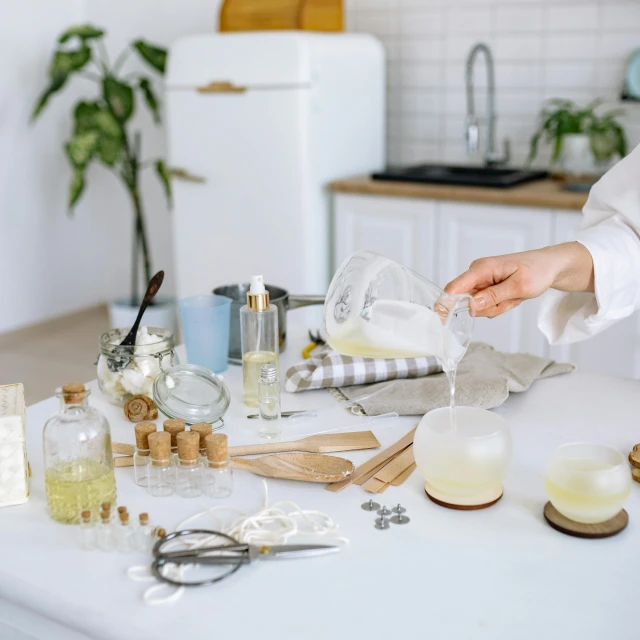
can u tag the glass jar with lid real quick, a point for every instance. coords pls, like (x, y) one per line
(78, 460)
(126, 371)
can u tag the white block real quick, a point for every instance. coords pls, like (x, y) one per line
(14, 468)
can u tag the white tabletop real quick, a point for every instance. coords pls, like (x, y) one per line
(498, 573)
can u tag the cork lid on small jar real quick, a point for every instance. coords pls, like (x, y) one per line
(160, 448)
(203, 429)
(74, 393)
(217, 445)
(174, 426)
(188, 448)
(142, 431)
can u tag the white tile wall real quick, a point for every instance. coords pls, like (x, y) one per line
(543, 48)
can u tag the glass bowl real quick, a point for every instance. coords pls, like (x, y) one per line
(587, 483)
(144, 362)
(463, 464)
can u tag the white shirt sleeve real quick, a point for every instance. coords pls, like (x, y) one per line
(610, 230)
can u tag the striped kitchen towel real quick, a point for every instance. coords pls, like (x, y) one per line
(327, 368)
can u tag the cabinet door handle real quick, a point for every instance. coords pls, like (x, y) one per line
(221, 87)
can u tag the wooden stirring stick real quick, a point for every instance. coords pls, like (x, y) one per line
(307, 467)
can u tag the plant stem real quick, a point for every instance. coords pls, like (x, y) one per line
(120, 60)
(134, 264)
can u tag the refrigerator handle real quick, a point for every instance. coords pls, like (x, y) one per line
(221, 87)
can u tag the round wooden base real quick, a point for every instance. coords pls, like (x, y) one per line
(604, 529)
(482, 501)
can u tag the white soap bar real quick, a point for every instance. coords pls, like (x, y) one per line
(14, 468)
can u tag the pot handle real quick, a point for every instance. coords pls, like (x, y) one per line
(296, 302)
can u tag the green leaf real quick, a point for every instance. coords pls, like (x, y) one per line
(57, 82)
(81, 148)
(84, 115)
(82, 31)
(69, 61)
(110, 149)
(108, 125)
(163, 174)
(119, 97)
(150, 98)
(183, 174)
(155, 56)
(76, 188)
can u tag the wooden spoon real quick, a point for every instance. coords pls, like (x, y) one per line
(307, 467)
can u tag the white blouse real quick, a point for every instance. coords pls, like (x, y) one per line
(610, 231)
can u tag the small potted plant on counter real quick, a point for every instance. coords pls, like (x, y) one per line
(583, 142)
(102, 132)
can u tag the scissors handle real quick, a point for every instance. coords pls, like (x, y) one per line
(208, 560)
(233, 551)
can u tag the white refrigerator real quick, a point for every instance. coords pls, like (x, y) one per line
(268, 119)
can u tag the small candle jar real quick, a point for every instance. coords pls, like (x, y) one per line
(217, 471)
(161, 474)
(587, 483)
(464, 460)
(189, 471)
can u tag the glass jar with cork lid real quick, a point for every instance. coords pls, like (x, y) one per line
(78, 460)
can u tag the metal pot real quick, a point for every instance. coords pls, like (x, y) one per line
(277, 296)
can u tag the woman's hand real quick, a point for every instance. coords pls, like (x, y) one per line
(501, 283)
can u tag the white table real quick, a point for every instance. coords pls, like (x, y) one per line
(498, 573)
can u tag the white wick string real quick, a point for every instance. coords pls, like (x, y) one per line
(271, 525)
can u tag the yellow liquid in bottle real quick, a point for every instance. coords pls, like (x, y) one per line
(252, 361)
(575, 496)
(75, 486)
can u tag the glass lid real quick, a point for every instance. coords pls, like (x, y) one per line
(191, 393)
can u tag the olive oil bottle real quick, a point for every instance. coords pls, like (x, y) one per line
(78, 460)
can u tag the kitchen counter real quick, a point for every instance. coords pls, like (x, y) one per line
(493, 574)
(546, 194)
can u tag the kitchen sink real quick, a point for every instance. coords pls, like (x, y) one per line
(460, 175)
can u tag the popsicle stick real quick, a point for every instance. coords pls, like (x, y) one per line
(120, 447)
(383, 488)
(373, 472)
(123, 461)
(404, 476)
(384, 456)
(397, 466)
(373, 485)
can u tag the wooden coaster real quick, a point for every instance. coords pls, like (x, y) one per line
(604, 529)
(483, 501)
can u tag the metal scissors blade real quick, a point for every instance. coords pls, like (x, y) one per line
(291, 551)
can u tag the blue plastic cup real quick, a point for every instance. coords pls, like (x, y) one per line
(205, 326)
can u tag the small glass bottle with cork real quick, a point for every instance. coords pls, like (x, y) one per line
(189, 471)
(174, 426)
(203, 429)
(218, 474)
(124, 534)
(86, 532)
(104, 531)
(142, 431)
(161, 478)
(259, 338)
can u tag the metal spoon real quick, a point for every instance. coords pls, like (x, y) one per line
(119, 362)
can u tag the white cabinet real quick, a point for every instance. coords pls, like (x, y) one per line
(470, 231)
(616, 351)
(402, 229)
(440, 240)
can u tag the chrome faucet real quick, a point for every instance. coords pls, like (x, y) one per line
(491, 156)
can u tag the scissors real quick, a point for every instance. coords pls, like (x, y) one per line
(235, 555)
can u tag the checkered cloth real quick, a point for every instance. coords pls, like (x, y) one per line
(327, 368)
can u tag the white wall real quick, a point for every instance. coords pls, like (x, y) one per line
(543, 48)
(51, 264)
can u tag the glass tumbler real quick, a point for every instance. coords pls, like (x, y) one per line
(205, 325)
(586, 482)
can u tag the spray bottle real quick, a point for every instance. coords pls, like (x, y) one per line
(259, 336)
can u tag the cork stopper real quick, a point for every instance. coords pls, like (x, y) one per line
(144, 519)
(73, 392)
(203, 429)
(188, 448)
(106, 516)
(142, 431)
(124, 517)
(160, 448)
(122, 509)
(159, 532)
(86, 517)
(174, 426)
(106, 506)
(217, 449)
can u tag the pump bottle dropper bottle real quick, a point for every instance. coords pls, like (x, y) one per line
(259, 336)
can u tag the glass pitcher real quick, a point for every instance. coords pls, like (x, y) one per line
(377, 308)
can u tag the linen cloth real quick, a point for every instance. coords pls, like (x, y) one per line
(610, 231)
(485, 378)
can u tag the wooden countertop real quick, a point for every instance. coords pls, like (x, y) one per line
(546, 194)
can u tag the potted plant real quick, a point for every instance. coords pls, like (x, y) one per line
(102, 133)
(583, 142)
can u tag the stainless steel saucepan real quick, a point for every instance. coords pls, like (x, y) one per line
(277, 296)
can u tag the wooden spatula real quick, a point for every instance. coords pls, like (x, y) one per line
(352, 441)
(307, 467)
